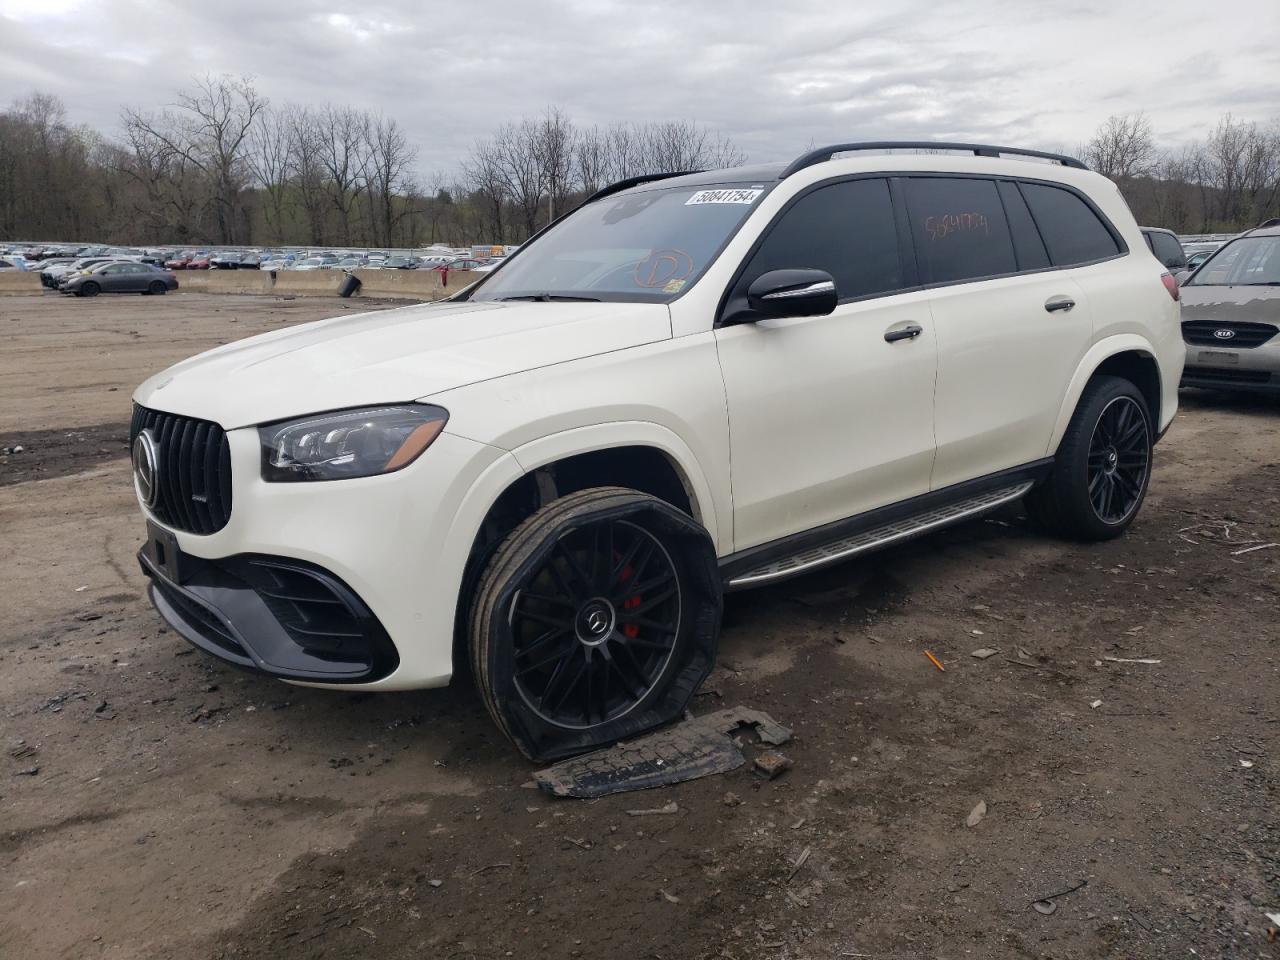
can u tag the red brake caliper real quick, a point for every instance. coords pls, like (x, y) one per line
(630, 630)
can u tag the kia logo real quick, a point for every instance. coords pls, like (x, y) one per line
(1224, 334)
(145, 463)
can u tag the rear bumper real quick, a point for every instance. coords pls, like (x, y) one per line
(271, 615)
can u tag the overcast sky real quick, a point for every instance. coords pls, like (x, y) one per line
(772, 76)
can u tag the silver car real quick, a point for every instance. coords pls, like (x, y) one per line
(1231, 315)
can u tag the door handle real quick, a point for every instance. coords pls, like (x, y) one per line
(1054, 304)
(909, 332)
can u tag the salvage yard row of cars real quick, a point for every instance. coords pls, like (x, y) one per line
(37, 257)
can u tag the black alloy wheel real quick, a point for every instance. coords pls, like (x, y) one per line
(157, 288)
(595, 628)
(1119, 458)
(89, 289)
(1102, 467)
(594, 621)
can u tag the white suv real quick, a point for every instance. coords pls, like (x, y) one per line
(692, 383)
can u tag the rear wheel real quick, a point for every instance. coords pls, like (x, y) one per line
(157, 288)
(1100, 474)
(595, 620)
(90, 289)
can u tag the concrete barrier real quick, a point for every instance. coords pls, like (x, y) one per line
(18, 281)
(223, 281)
(392, 284)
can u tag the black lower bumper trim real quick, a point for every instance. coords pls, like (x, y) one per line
(274, 615)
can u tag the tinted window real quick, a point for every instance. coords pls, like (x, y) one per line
(959, 228)
(1027, 245)
(1071, 230)
(846, 229)
(1167, 249)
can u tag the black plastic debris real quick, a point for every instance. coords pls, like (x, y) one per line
(698, 747)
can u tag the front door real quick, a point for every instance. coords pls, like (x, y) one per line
(827, 417)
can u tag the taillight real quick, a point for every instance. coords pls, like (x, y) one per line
(1171, 285)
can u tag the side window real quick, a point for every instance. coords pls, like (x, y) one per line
(1027, 243)
(846, 229)
(1168, 250)
(1071, 230)
(959, 228)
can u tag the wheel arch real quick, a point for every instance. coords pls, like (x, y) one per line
(1127, 355)
(639, 455)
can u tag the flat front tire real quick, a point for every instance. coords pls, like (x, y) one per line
(595, 621)
(1103, 465)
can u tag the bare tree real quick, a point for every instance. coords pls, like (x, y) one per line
(389, 159)
(1123, 147)
(343, 148)
(270, 161)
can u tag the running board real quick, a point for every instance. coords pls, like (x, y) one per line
(880, 536)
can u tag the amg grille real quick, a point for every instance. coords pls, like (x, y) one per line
(1204, 333)
(193, 471)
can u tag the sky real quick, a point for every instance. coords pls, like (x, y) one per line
(773, 77)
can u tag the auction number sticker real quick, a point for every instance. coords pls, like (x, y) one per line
(724, 196)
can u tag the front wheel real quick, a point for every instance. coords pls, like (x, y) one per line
(595, 621)
(89, 290)
(1103, 465)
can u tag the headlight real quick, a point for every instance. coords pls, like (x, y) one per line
(348, 443)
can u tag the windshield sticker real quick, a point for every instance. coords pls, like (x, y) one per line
(723, 196)
(663, 267)
(674, 286)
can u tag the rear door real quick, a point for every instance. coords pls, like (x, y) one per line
(1010, 329)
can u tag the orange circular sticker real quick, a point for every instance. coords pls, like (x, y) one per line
(663, 267)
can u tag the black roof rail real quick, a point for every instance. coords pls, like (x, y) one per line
(630, 182)
(1268, 223)
(823, 154)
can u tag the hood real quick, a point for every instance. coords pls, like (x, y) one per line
(1251, 304)
(392, 356)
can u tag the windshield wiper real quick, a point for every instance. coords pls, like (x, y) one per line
(550, 297)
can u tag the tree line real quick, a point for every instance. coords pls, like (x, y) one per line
(1226, 181)
(224, 165)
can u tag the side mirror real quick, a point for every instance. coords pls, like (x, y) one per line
(793, 293)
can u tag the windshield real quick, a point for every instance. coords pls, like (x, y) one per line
(1249, 261)
(636, 247)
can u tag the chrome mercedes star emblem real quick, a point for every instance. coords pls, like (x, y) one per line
(145, 463)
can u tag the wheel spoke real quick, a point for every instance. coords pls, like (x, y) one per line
(568, 687)
(620, 567)
(575, 570)
(560, 601)
(650, 602)
(562, 655)
(625, 616)
(546, 620)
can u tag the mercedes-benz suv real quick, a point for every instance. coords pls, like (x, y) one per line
(692, 383)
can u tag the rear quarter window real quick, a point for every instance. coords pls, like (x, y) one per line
(1072, 232)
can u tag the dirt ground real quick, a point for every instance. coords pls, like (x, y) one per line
(154, 803)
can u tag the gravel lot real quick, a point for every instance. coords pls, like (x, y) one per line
(154, 803)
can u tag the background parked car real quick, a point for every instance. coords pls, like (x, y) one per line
(121, 277)
(59, 274)
(13, 263)
(1231, 316)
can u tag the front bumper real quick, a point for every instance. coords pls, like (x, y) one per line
(398, 543)
(1255, 369)
(272, 615)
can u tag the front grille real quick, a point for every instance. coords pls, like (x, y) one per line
(1234, 375)
(193, 474)
(1203, 333)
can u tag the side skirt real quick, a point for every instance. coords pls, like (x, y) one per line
(833, 542)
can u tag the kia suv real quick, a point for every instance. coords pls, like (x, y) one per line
(1231, 315)
(692, 383)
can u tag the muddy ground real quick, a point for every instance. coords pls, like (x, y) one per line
(154, 803)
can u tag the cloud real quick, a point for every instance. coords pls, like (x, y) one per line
(773, 77)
